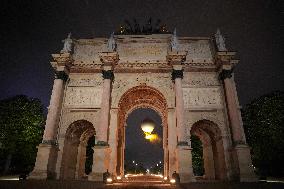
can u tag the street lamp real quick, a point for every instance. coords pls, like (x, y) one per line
(135, 167)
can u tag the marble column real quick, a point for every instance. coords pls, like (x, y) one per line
(241, 153)
(50, 131)
(47, 151)
(233, 107)
(105, 107)
(113, 141)
(177, 76)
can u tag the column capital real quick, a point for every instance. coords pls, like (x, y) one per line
(224, 74)
(176, 57)
(61, 61)
(177, 74)
(108, 74)
(109, 58)
(61, 75)
(226, 58)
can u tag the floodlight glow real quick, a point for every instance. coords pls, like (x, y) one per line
(173, 181)
(147, 126)
(165, 178)
(118, 177)
(109, 180)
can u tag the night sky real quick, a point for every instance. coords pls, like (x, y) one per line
(31, 30)
(137, 148)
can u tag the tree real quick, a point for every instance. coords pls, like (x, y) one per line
(21, 128)
(197, 156)
(264, 126)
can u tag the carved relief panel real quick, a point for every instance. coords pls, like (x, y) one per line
(195, 98)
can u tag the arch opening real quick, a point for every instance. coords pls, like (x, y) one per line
(141, 154)
(140, 97)
(77, 151)
(209, 158)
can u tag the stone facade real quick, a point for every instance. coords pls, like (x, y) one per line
(192, 89)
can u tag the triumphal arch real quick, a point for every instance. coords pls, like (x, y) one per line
(188, 81)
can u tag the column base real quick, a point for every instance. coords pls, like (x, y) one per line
(45, 162)
(101, 159)
(246, 172)
(185, 164)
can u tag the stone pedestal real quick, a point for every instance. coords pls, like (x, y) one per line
(246, 172)
(101, 160)
(185, 164)
(45, 162)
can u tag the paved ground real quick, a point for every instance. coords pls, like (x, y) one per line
(144, 182)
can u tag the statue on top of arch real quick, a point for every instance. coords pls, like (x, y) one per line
(111, 44)
(220, 41)
(67, 47)
(174, 41)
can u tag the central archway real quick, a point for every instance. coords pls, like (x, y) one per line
(141, 96)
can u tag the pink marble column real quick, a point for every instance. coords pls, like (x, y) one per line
(54, 108)
(177, 77)
(105, 107)
(233, 107)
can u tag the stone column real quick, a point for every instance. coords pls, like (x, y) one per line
(233, 107)
(241, 154)
(50, 131)
(172, 142)
(113, 141)
(182, 149)
(101, 157)
(177, 76)
(105, 106)
(47, 151)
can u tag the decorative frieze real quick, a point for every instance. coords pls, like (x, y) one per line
(83, 97)
(200, 79)
(202, 98)
(85, 82)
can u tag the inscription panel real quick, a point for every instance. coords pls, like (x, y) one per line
(202, 98)
(141, 52)
(200, 79)
(197, 51)
(83, 97)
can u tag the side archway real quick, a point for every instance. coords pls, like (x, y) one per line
(213, 151)
(74, 151)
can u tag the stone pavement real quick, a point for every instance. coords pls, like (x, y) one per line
(144, 182)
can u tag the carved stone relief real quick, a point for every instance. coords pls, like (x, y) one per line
(160, 81)
(196, 98)
(84, 82)
(200, 79)
(83, 97)
(198, 51)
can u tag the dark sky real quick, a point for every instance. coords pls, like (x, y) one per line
(31, 30)
(137, 148)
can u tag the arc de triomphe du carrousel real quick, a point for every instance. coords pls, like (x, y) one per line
(188, 81)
